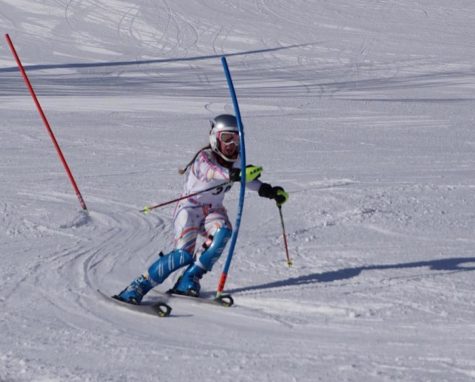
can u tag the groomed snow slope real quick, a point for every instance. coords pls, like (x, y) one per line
(361, 109)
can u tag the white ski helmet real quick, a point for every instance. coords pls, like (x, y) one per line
(224, 137)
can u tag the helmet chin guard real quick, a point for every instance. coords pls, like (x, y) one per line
(223, 147)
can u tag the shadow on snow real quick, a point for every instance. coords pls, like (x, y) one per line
(461, 264)
(145, 62)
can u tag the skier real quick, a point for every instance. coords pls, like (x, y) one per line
(203, 214)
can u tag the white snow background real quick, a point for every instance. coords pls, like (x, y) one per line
(362, 109)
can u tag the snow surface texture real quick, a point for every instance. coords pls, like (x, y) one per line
(363, 110)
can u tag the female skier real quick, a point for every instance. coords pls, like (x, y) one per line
(203, 214)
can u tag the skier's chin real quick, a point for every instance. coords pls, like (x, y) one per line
(232, 158)
(233, 155)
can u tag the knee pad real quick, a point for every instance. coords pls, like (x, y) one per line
(209, 257)
(167, 264)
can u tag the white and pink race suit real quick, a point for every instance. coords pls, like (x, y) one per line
(204, 213)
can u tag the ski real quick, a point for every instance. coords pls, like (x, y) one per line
(154, 307)
(225, 300)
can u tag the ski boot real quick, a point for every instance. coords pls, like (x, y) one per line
(189, 282)
(134, 293)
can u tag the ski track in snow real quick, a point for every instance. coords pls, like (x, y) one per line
(362, 110)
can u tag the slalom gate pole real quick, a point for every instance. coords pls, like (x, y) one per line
(146, 210)
(284, 234)
(242, 154)
(46, 123)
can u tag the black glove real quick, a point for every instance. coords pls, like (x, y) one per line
(234, 175)
(277, 193)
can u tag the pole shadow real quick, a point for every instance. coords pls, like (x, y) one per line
(148, 62)
(461, 264)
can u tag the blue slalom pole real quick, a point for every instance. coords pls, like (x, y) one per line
(242, 154)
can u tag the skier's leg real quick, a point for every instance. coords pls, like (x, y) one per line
(187, 224)
(218, 232)
(186, 233)
(155, 274)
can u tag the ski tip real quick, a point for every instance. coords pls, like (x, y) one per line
(162, 309)
(224, 300)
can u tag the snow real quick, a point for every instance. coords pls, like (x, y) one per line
(362, 110)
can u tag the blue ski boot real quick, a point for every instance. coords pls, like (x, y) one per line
(134, 293)
(189, 283)
(156, 274)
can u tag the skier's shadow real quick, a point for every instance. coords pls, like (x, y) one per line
(461, 264)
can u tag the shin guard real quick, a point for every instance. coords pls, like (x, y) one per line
(167, 264)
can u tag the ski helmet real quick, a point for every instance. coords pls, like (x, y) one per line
(224, 137)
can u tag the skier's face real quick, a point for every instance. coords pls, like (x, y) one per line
(229, 143)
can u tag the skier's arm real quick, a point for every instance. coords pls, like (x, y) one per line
(252, 176)
(253, 183)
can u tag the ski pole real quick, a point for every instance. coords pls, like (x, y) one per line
(289, 262)
(147, 209)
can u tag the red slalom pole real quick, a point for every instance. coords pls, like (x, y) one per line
(45, 121)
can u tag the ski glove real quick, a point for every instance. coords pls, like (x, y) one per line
(277, 193)
(252, 173)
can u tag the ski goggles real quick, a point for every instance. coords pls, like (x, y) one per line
(228, 137)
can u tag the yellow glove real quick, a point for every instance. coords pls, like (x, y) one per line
(252, 173)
